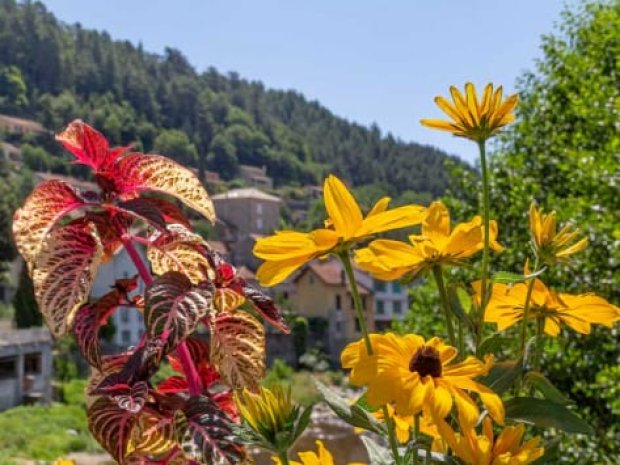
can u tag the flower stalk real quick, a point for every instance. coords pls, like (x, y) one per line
(526, 307)
(484, 272)
(345, 258)
(445, 304)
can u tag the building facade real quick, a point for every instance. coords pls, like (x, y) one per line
(323, 296)
(25, 366)
(391, 300)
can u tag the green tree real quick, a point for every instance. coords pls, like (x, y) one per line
(176, 144)
(26, 310)
(563, 152)
(13, 90)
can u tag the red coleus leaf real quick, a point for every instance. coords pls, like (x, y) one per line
(134, 398)
(198, 349)
(174, 307)
(205, 433)
(89, 146)
(263, 304)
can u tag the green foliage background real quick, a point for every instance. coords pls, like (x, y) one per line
(564, 152)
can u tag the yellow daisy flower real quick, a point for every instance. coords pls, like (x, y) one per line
(472, 118)
(287, 251)
(270, 412)
(485, 449)
(438, 244)
(417, 376)
(553, 246)
(323, 457)
(579, 312)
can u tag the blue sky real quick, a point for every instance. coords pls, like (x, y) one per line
(366, 60)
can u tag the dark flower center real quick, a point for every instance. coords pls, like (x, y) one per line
(426, 361)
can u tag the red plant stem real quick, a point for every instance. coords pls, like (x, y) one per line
(193, 379)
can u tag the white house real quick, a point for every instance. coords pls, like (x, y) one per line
(391, 299)
(129, 322)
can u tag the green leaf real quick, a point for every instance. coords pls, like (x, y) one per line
(503, 375)
(302, 423)
(378, 454)
(544, 386)
(455, 304)
(506, 277)
(352, 414)
(493, 344)
(363, 403)
(545, 414)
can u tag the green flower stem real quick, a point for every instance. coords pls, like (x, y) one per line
(283, 458)
(484, 273)
(445, 304)
(540, 331)
(345, 258)
(416, 434)
(526, 307)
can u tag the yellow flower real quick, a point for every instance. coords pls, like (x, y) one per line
(417, 376)
(579, 312)
(553, 246)
(438, 244)
(324, 457)
(286, 251)
(471, 118)
(484, 449)
(270, 412)
(64, 461)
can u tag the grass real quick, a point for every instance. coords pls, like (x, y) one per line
(46, 432)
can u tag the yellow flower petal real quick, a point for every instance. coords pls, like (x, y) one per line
(395, 218)
(341, 207)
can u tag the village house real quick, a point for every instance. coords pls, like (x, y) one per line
(25, 366)
(255, 176)
(244, 215)
(391, 300)
(323, 296)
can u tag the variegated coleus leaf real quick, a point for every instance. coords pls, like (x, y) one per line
(46, 205)
(174, 307)
(205, 434)
(238, 349)
(180, 250)
(137, 173)
(153, 435)
(91, 317)
(146, 206)
(64, 272)
(111, 426)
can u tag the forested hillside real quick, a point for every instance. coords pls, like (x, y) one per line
(54, 72)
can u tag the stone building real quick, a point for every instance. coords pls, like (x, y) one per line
(25, 366)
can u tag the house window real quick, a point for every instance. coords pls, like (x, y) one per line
(259, 223)
(259, 208)
(380, 307)
(398, 308)
(338, 327)
(32, 364)
(379, 286)
(126, 336)
(125, 315)
(338, 302)
(396, 287)
(8, 367)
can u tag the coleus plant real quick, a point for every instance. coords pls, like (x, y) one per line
(65, 234)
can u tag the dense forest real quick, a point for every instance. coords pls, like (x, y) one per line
(54, 72)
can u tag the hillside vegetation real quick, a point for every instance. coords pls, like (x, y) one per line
(54, 72)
